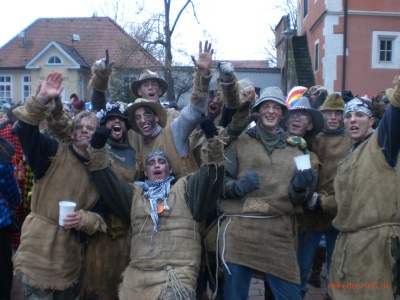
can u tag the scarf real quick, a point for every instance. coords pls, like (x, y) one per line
(155, 191)
(155, 133)
(269, 140)
(341, 130)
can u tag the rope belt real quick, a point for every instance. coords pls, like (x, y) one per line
(340, 273)
(43, 218)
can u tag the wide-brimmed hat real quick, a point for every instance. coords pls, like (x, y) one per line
(111, 109)
(158, 109)
(147, 74)
(316, 116)
(274, 94)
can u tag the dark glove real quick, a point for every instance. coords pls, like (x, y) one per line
(99, 138)
(248, 183)
(303, 179)
(208, 126)
(226, 71)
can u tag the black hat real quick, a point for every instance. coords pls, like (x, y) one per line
(347, 96)
(112, 109)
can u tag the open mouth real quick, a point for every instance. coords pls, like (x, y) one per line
(156, 173)
(117, 128)
(152, 94)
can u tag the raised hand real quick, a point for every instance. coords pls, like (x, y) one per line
(104, 64)
(203, 62)
(226, 71)
(50, 87)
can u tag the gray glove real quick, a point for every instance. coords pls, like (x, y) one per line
(303, 179)
(248, 183)
(104, 64)
(226, 71)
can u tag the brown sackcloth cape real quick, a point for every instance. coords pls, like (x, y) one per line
(369, 220)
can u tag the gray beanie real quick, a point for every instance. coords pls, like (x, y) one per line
(272, 93)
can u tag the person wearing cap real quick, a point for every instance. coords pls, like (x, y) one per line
(149, 119)
(302, 122)
(261, 188)
(107, 255)
(367, 249)
(49, 259)
(77, 105)
(165, 215)
(330, 145)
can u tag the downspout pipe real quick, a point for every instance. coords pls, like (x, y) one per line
(345, 10)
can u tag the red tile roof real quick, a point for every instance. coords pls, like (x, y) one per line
(96, 34)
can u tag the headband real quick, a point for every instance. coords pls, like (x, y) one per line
(356, 105)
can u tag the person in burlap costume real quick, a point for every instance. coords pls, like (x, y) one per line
(331, 145)
(149, 86)
(366, 256)
(107, 255)
(165, 215)
(225, 91)
(49, 258)
(257, 231)
(302, 122)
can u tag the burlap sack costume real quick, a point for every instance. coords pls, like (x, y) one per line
(50, 256)
(253, 225)
(369, 220)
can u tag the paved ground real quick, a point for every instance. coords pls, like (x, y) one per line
(256, 291)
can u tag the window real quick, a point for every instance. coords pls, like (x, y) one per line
(305, 12)
(385, 50)
(5, 88)
(316, 56)
(54, 60)
(26, 86)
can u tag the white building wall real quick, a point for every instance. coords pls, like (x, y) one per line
(333, 48)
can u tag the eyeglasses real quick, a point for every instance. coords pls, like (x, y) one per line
(302, 117)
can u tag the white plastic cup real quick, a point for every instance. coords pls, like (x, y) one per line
(66, 207)
(303, 162)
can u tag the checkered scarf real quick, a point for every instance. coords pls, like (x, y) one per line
(155, 191)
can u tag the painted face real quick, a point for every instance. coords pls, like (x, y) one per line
(157, 168)
(358, 125)
(214, 106)
(118, 128)
(299, 122)
(146, 121)
(83, 132)
(150, 90)
(270, 114)
(333, 119)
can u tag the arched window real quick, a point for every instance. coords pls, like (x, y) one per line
(54, 60)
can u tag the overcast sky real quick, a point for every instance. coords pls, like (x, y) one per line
(239, 30)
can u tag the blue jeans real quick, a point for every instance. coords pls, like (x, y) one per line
(309, 241)
(237, 284)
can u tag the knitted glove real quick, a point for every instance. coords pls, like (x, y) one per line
(241, 119)
(226, 71)
(248, 183)
(101, 71)
(99, 138)
(208, 126)
(104, 64)
(303, 179)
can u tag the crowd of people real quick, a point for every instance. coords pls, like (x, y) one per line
(178, 204)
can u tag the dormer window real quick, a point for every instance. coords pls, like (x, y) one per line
(54, 60)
